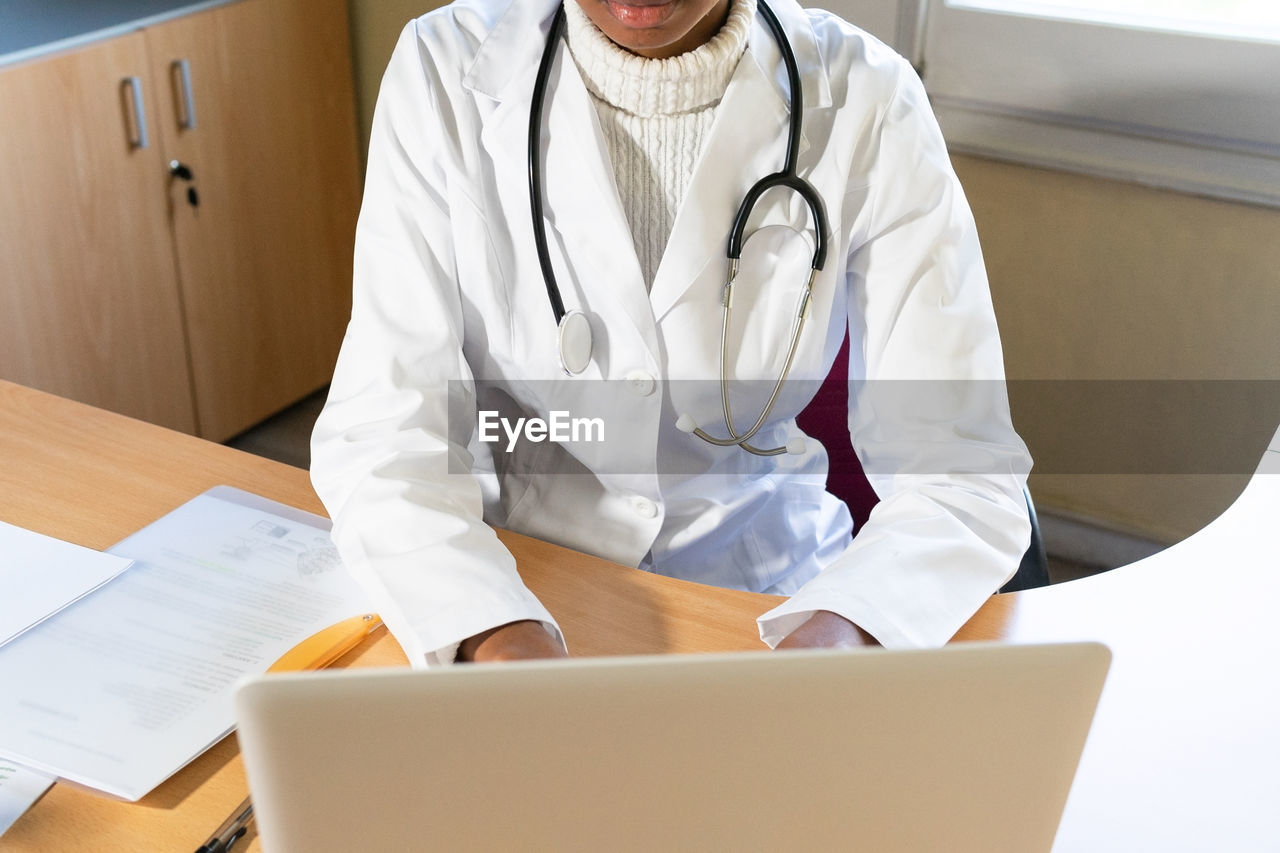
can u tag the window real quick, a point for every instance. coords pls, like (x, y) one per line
(1246, 18)
(894, 22)
(1174, 93)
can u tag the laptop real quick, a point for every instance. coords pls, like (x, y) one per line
(970, 749)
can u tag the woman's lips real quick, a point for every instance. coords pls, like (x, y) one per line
(641, 16)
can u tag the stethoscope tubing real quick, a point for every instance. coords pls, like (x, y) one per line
(569, 323)
(535, 164)
(789, 177)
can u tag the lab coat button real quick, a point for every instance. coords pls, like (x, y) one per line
(644, 507)
(641, 382)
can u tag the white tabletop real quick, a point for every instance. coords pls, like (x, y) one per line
(1185, 748)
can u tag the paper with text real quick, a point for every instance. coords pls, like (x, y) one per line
(20, 787)
(40, 575)
(126, 686)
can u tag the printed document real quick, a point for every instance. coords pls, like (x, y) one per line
(40, 575)
(19, 789)
(124, 687)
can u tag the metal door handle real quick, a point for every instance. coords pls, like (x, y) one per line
(184, 95)
(135, 112)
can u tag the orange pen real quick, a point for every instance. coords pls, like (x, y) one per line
(327, 645)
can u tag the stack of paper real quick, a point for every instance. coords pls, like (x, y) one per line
(127, 685)
(20, 787)
(40, 575)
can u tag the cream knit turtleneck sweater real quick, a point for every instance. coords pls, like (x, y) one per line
(655, 114)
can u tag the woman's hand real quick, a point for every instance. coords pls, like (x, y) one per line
(526, 640)
(827, 630)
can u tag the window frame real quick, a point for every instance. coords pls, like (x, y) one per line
(898, 23)
(1173, 109)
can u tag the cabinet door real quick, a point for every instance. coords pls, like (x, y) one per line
(89, 305)
(265, 257)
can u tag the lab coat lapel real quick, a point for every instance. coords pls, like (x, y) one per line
(752, 118)
(588, 238)
(588, 234)
(584, 207)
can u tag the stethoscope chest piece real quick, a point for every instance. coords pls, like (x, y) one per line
(574, 338)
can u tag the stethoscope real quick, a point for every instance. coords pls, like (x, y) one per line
(573, 329)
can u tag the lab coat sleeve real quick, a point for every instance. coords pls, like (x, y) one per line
(929, 415)
(389, 466)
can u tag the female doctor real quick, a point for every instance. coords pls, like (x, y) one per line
(653, 122)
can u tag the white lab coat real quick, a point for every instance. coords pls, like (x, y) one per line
(448, 287)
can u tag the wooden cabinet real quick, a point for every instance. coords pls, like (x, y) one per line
(122, 292)
(89, 299)
(265, 259)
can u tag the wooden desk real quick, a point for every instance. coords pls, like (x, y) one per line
(1184, 755)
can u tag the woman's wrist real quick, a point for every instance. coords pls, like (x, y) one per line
(827, 630)
(523, 640)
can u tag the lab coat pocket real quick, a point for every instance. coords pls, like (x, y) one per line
(524, 476)
(803, 529)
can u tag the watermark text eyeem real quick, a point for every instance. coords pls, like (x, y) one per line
(559, 428)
